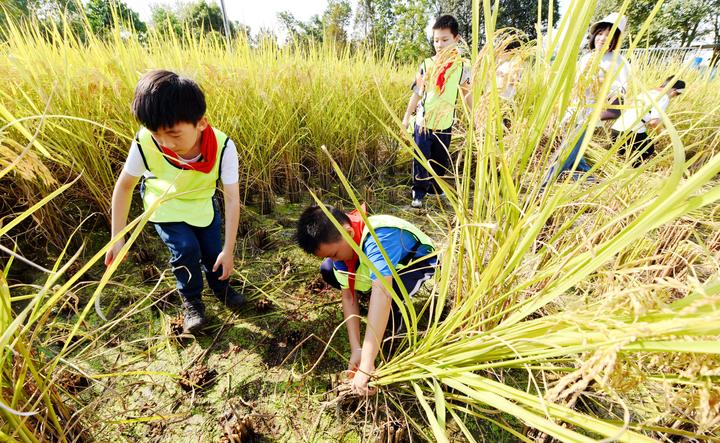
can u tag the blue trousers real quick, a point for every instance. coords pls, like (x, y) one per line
(193, 249)
(435, 147)
(567, 165)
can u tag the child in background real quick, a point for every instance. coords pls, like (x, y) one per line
(437, 86)
(611, 64)
(180, 159)
(643, 114)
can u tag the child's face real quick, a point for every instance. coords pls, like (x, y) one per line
(600, 38)
(443, 38)
(338, 251)
(182, 138)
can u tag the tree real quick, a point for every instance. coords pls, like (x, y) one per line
(409, 35)
(519, 14)
(101, 15)
(165, 20)
(677, 23)
(205, 16)
(334, 21)
(375, 21)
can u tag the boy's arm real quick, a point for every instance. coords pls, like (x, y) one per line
(121, 199)
(351, 313)
(231, 194)
(411, 107)
(378, 314)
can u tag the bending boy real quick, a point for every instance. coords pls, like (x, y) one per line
(410, 253)
(180, 159)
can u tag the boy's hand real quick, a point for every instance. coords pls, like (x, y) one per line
(114, 251)
(406, 122)
(355, 358)
(225, 260)
(359, 384)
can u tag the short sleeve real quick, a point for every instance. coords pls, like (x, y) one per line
(396, 243)
(229, 164)
(134, 164)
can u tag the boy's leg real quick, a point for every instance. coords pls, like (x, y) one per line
(440, 157)
(185, 261)
(572, 158)
(210, 241)
(421, 182)
(412, 279)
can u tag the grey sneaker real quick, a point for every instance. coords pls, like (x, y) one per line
(194, 317)
(230, 298)
(416, 203)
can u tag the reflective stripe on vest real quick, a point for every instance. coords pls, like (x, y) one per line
(188, 194)
(439, 109)
(363, 282)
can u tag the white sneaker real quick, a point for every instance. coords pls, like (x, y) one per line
(416, 203)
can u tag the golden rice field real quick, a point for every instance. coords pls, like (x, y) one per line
(579, 312)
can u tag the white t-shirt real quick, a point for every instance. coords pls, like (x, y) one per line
(618, 87)
(643, 105)
(608, 62)
(420, 113)
(506, 74)
(229, 172)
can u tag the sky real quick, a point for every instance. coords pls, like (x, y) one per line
(254, 13)
(260, 13)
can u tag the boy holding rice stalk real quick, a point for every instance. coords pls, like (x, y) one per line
(180, 158)
(643, 114)
(437, 85)
(409, 251)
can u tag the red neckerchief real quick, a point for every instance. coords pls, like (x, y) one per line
(208, 152)
(358, 226)
(440, 82)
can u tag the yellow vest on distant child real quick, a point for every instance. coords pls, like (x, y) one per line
(439, 106)
(188, 194)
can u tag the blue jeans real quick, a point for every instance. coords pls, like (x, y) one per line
(193, 249)
(435, 147)
(567, 165)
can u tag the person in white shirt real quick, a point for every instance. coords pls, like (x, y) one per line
(641, 115)
(611, 65)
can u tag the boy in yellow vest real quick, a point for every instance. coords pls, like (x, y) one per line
(435, 91)
(180, 158)
(410, 252)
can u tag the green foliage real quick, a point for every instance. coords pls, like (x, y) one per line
(519, 14)
(678, 22)
(103, 14)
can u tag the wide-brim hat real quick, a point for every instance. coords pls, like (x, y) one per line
(612, 19)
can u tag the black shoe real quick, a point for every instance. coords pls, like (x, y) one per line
(230, 298)
(194, 317)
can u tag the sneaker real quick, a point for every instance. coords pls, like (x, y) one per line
(194, 317)
(230, 298)
(416, 203)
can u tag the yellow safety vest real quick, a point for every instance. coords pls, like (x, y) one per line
(439, 108)
(188, 193)
(363, 282)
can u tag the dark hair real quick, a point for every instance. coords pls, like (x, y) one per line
(315, 228)
(447, 22)
(678, 84)
(600, 28)
(163, 99)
